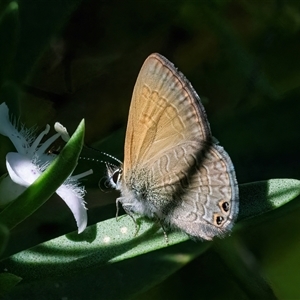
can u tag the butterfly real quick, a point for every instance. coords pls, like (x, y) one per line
(174, 170)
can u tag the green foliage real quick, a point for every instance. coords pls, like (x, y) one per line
(7, 282)
(4, 233)
(99, 254)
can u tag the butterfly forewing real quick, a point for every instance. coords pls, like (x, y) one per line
(165, 111)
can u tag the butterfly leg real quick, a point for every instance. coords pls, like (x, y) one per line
(164, 231)
(117, 206)
(127, 208)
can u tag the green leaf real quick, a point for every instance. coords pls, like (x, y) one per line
(111, 249)
(44, 187)
(7, 282)
(4, 234)
(88, 263)
(260, 197)
(108, 241)
(120, 280)
(248, 275)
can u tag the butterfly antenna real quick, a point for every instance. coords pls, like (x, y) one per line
(108, 155)
(104, 153)
(111, 166)
(92, 159)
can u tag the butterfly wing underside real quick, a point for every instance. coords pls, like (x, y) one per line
(209, 205)
(169, 135)
(164, 112)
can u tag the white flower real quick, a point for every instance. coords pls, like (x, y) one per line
(30, 160)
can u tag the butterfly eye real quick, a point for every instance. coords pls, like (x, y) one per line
(116, 176)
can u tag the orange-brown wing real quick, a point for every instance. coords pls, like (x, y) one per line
(165, 111)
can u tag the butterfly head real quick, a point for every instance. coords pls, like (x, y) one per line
(114, 174)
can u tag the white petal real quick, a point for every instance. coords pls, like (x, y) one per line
(81, 175)
(4, 119)
(47, 144)
(37, 141)
(76, 204)
(20, 168)
(9, 190)
(62, 131)
(7, 129)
